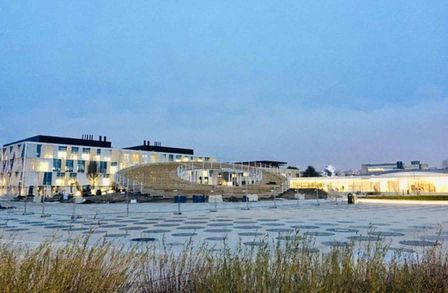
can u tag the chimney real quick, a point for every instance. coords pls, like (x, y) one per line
(105, 138)
(101, 138)
(144, 142)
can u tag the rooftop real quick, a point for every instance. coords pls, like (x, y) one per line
(86, 140)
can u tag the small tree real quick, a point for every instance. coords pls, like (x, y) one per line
(310, 172)
(92, 172)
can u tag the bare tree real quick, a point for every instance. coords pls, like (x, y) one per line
(92, 172)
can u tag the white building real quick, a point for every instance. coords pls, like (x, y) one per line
(45, 165)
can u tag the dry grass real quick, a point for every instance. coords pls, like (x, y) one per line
(75, 267)
(287, 266)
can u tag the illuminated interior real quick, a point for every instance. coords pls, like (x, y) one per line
(395, 183)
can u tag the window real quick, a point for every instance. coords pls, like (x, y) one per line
(170, 158)
(98, 151)
(102, 168)
(62, 148)
(47, 178)
(57, 165)
(114, 164)
(75, 149)
(86, 150)
(81, 166)
(38, 150)
(69, 165)
(60, 174)
(72, 175)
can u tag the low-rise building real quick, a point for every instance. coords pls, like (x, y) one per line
(397, 183)
(44, 165)
(388, 167)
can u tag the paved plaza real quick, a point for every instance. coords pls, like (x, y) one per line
(406, 227)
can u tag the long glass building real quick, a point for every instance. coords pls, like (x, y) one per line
(392, 183)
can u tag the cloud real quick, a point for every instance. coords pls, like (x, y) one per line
(236, 129)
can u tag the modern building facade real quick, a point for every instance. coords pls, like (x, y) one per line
(367, 169)
(45, 165)
(393, 183)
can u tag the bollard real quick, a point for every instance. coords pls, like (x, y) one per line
(73, 211)
(44, 215)
(25, 212)
(275, 202)
(246, 200)
(179, 212)
(215, 209)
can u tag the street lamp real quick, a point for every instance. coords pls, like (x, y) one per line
(275, 199)
(179, 212)
(215, 209)
(247, 196)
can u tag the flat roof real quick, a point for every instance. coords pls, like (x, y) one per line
(161, 149)
(64, 140)
(263, 162)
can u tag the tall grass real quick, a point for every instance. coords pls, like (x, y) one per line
(283, 266)
(74, 267)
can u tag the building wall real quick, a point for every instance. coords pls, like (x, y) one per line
(396, 183)
(51, 168)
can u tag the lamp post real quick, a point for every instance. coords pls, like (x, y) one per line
(275, 199)
(127, 198)
(247, 196)
(44, 215)
(215, 209)
(179, 211)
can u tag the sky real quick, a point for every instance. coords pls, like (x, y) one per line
(307, 82)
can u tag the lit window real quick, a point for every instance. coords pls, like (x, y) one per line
(81, 166)
(69, 165)
(57, 165)
(38, 150)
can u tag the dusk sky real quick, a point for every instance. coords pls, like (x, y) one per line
(307, 82)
